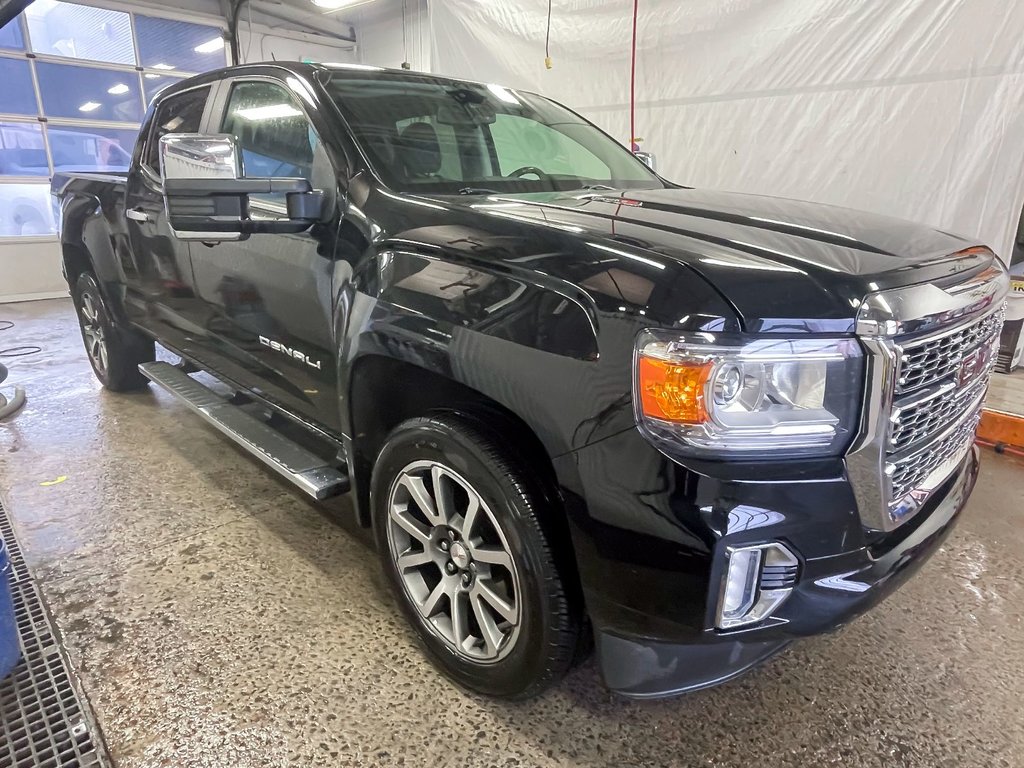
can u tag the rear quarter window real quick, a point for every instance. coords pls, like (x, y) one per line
(179, 113)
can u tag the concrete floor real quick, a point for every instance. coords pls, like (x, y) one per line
(219, 619)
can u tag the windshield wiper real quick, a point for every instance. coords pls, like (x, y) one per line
(478, 191)
(597, 187)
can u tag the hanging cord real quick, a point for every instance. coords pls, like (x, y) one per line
(633, 146)
(405, 41)
(548, 63)
(248, 44)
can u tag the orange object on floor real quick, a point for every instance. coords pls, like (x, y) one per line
(999, 427)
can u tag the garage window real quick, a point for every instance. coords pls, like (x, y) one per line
(80, 32)
(22, 150)
(89, 93)
(11, 36)
(179, 45)
(76, 83)
(19, 94)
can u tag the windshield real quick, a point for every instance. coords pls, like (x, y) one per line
(431, 135)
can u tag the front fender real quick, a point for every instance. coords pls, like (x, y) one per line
(534, 349)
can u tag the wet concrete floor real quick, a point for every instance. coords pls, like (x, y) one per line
(217, 618)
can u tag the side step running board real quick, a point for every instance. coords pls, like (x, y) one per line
(308, 471)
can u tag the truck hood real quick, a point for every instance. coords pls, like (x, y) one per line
(777, 262)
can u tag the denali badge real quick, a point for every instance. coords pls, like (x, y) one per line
(295, 354)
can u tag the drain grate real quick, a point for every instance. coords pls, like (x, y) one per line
(44, 721)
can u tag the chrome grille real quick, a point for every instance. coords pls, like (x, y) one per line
(934, 422)
(910, 472)
(923, 417)
(927, 361)
(926, 383)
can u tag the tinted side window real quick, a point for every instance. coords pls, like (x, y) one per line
(181, 113)
(274, 137)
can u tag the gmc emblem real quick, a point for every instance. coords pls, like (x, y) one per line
(974, 365)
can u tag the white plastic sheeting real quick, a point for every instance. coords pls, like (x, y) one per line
(913, 108)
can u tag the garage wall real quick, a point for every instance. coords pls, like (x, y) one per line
(387, 40)
(267, 46)
(914, 109)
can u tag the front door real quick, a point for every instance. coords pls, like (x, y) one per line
(267, 301)
(160, 292)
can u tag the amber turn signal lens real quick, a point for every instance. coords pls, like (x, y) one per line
(673, 391)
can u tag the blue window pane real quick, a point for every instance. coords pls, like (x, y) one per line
(19, 98)
(153, 83)
(11, 35)
(89, 93)
(80, 31)
(90, 149)
(25, 209)
(166, 44)
(22, 150)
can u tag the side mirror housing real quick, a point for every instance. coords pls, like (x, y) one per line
(648, 159)
(207, 199)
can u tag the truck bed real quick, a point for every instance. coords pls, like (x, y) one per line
(85, 180)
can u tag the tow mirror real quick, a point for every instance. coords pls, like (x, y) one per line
(207, 199)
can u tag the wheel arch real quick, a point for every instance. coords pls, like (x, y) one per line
(88, 244)
(385, 391)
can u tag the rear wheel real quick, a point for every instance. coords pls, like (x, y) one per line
(114, 351)
(462, 536)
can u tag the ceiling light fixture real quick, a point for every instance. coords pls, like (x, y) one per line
(347, 65)
(330, 6)
(118, 89)
(268, 112)
(89, 106)
(210, 46)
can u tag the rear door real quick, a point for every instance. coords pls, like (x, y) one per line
(267, 303)
(160, 286)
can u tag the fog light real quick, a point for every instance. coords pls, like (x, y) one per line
(758, 580)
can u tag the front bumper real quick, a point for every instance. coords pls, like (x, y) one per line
(651, 595)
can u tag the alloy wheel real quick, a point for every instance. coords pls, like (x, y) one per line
(454, 561)
(93, 330)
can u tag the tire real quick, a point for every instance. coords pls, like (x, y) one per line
(113, 350)
(507, 554)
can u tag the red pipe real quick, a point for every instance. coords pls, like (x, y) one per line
(632, 83)
(1001, 448)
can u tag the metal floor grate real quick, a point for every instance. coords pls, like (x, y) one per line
(44, 721)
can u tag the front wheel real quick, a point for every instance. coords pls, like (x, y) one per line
(114, 352)
(464, 540)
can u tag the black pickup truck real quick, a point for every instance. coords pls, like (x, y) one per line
(576, 402)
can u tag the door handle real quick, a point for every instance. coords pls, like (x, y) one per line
(136, 214)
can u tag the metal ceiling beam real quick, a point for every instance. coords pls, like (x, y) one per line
(309, 20)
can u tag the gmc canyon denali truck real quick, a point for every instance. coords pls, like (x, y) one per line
(576, 402)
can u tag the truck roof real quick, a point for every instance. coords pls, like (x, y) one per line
(307, 69)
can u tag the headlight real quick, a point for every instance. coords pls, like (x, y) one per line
(714, 396)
